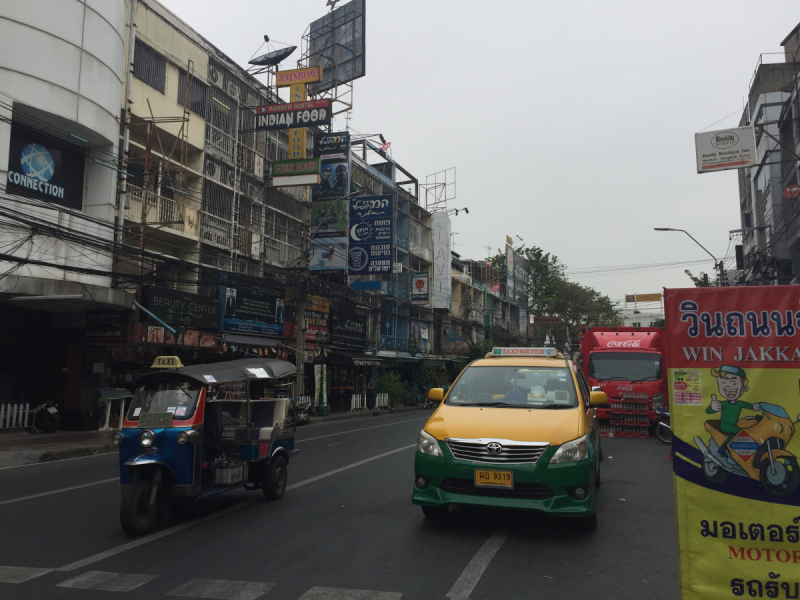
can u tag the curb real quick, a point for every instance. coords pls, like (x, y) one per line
(53, 455)
(317, 420)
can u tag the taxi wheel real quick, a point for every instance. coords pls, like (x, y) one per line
(274, 479)
(435, 513)
(587, 524)
(135, 514)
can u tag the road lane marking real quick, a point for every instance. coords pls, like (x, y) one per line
(469, 578)
(319, 437)
(20, 574)
(323, 593)
(176, 528)
(221, 589)
(106, 581)
(50, 493)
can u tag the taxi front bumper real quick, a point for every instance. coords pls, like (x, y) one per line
(539, 486)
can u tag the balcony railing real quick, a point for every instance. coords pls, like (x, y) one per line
(165, 213)
(216, 231)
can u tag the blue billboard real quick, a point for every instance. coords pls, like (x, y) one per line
(370, 237)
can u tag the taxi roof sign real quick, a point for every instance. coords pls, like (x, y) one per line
(167, 362)
(547, 352)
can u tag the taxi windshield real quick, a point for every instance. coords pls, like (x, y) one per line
(514, 387)
(172, 395)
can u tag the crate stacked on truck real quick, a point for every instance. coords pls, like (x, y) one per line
(627, 363)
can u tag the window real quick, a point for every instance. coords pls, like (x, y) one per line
(199, 94)
(625, 366)
(514, 387)
(149, 66)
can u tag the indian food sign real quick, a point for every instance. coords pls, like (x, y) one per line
(734, 381)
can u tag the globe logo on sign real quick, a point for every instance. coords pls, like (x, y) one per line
(37, 162)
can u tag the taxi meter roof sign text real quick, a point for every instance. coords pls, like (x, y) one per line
(167, 362)
(547, 352)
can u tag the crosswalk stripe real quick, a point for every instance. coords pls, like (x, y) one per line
(221, 589)
(323, 593)
(20, 574)
(107, 581)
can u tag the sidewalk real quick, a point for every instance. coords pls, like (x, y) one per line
(22, 448)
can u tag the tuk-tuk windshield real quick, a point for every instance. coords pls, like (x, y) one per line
(176, 396)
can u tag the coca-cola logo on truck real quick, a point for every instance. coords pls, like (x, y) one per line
(624, 388)
(621, 344)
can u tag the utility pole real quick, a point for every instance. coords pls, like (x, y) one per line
(145, 198)
(300, 327)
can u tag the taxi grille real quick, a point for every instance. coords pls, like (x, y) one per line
(528, 491)
(511, 452)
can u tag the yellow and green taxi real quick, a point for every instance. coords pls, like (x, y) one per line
(517, 429)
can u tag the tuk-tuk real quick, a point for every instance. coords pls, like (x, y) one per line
(191, 432)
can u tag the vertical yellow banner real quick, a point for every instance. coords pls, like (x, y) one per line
(297, 135)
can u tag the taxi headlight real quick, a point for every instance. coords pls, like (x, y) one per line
(573, 451)
(147, 437)
(427, 444)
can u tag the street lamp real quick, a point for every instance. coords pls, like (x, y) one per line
(179, 324)
(322, 409)
(717, 264)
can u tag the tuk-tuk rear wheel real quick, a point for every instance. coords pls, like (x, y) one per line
(274, 484)
(135, 514)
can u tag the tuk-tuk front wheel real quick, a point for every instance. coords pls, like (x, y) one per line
(135, 514)
(781, 477)
(274, 484)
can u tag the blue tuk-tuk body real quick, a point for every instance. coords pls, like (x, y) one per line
(191, 432)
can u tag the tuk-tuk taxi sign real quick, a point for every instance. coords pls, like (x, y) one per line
(167, 362)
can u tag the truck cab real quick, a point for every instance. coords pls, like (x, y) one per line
(627, 363)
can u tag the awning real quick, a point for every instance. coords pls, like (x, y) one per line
(359, 358)
(249, 340)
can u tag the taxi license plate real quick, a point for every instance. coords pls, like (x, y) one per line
(494, 479)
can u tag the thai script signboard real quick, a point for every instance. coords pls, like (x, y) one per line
(734, 366)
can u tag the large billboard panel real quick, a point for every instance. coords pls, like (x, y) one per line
(370, 235)
(509, 272)
(336, 45)
(333, 150)
(734, 366)
(205, 311)
(317, 316)
(442, 258)
(251, 308)
(41, 167)
(348, 330)
(725, 149)
(328, 254)
(420, 287)
(328, 243)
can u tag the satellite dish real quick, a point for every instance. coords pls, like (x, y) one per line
(270, 59)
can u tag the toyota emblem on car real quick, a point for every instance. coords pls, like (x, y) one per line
(494, 448)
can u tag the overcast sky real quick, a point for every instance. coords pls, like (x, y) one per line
(571, 123)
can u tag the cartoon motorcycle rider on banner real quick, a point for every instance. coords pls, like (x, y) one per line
(732, 383)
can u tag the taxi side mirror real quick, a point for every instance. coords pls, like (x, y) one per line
(436, 394)
(598, 399)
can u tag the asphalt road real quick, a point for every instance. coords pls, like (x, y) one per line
(346, 529)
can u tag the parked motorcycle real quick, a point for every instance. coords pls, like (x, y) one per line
(663, 428)
(45, 418)
(303, 414)
(758, 451)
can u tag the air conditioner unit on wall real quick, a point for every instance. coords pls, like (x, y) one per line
(231, 179)
(233, 90)
(251, 190)
(215, 78)
(212, 170)
(259, 166)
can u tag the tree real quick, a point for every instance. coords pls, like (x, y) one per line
(701, 280)
(580, 306)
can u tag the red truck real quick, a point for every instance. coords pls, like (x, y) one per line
(627, 363)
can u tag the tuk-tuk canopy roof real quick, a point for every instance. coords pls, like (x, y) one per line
(233, 371)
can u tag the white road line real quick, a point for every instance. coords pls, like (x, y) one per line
(221, 589)
(323, 593)
(176, 528)
(319, 437)
(107, 581)
(50, 493)
(20, 574)
(469, 578)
